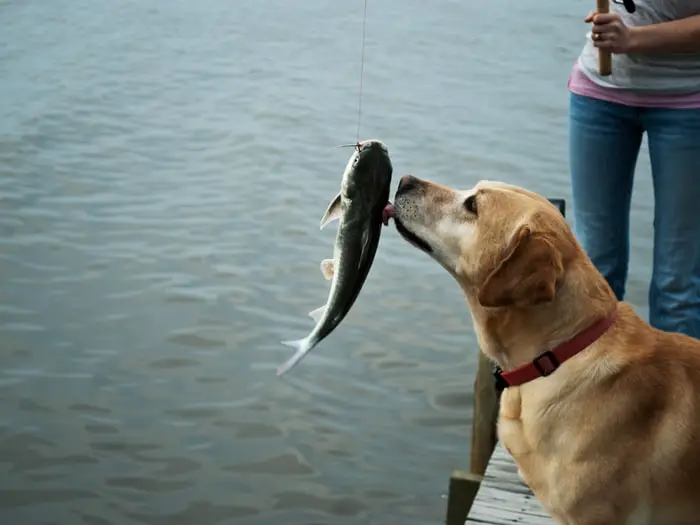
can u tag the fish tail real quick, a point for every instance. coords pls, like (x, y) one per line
(302, 347)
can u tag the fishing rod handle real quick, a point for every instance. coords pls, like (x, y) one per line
(604, 57)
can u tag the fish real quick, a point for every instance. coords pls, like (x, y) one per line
(359, 208)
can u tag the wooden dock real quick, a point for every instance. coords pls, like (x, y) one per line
(491, 492)
(503, 498)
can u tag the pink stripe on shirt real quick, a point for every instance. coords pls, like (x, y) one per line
(580, 84)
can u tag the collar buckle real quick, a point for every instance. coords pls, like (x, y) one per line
(546, 367)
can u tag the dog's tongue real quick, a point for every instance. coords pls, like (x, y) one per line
(388, 213)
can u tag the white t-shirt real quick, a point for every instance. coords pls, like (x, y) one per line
(660, 73)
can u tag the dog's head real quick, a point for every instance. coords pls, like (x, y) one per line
(505, 245)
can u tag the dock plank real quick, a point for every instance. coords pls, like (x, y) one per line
(503, 498)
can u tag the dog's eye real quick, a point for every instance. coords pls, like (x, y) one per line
(470, 204)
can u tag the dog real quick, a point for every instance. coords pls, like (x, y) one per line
(600, 411)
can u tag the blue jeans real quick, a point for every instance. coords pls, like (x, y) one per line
(604, 142)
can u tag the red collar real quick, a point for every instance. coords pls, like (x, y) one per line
(547, 362)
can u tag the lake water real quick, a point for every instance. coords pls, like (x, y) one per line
(163, 168)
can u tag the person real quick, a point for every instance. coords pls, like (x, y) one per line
(654, 88)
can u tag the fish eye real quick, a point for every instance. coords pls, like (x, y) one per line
(470, 204)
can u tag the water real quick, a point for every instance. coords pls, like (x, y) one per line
(164, 165)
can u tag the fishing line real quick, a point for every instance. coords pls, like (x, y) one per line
(362, 70)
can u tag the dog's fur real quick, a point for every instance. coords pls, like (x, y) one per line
(612, 437)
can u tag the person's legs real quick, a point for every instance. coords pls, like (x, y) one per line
(674, 148)
(604, 141)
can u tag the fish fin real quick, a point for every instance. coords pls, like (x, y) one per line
(317, 313)
(302, 347)
(328, 268)
(333, 212)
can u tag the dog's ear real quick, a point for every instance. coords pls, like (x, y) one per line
(529, 273)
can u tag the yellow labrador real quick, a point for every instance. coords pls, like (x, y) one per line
(600, 411)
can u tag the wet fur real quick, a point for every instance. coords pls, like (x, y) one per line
(613, 436)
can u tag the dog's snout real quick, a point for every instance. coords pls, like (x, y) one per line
(407, 183)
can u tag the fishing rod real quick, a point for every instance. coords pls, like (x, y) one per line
(605, 57)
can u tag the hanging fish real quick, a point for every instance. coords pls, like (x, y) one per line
(359, 208)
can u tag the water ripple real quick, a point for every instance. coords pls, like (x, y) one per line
(163, 168)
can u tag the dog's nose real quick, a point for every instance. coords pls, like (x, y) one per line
(407, 183)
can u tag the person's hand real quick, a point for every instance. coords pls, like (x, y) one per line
(609, 32)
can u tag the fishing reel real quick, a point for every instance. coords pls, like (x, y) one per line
(629, 5)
